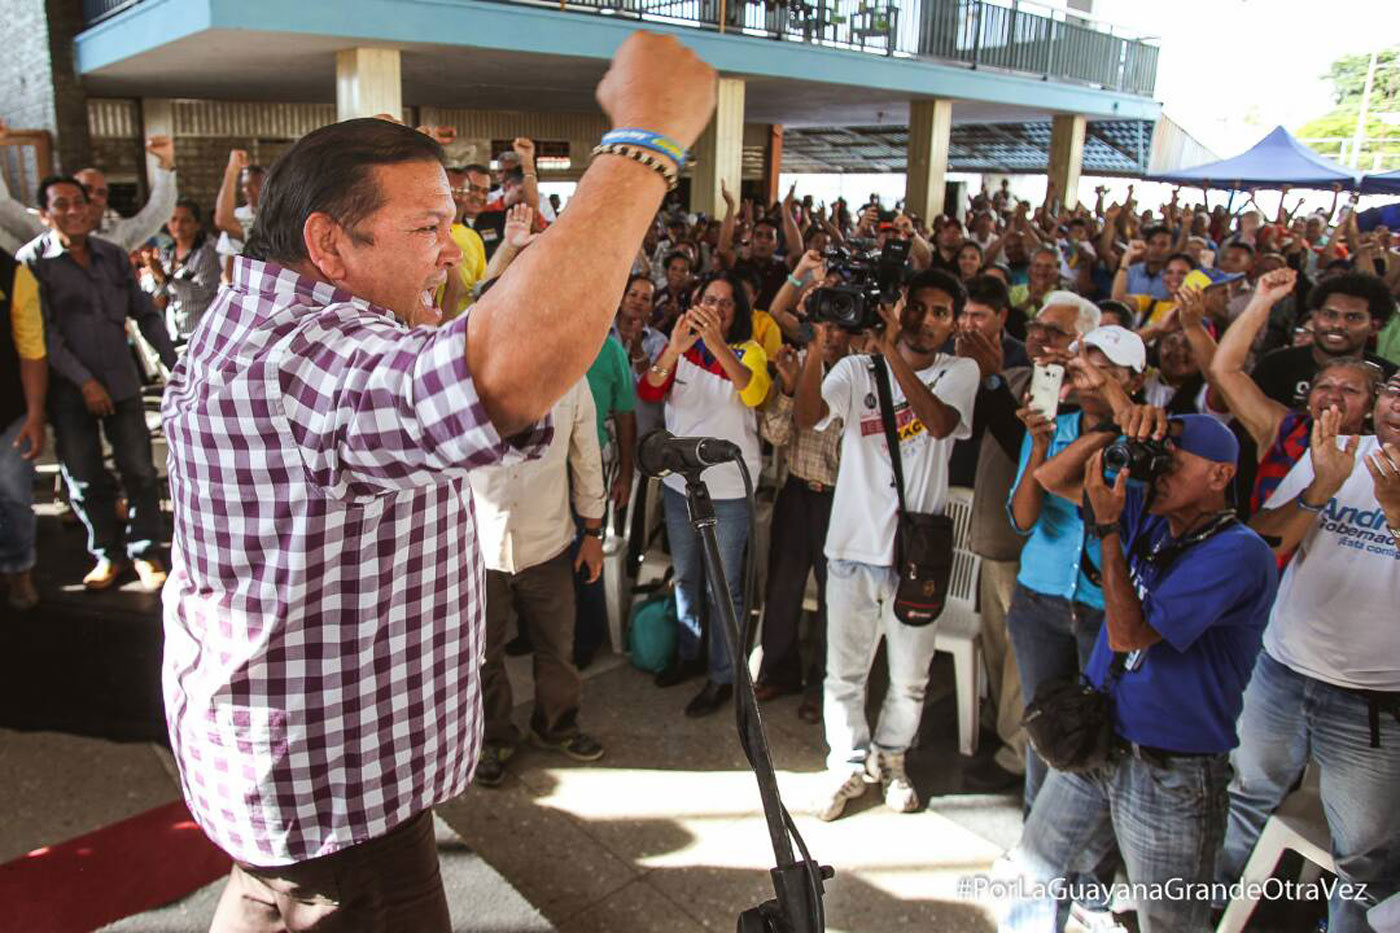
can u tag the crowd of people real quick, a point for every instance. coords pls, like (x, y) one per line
(1231, 583)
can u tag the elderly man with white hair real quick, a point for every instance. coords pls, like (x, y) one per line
(1057, 606)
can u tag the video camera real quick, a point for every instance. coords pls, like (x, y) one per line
(868, 278)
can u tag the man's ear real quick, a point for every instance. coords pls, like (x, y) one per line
(325, 242)
(1224, 474)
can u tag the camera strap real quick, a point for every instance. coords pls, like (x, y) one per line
(882, 388)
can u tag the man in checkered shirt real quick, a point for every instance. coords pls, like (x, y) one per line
(324, 613)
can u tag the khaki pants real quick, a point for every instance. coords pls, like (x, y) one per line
(543, 597)
(387, 884)
(1004, 679)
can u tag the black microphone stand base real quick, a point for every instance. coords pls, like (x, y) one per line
(798, 884)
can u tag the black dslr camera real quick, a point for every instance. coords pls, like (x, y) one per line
(1145, 460)
(868, 278)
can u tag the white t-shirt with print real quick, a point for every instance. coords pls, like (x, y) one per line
(1337, 615)
(863, 512)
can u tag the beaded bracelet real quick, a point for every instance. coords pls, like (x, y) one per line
(665, 169)
(646, 139)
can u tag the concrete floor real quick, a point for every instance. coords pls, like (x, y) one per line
(664, 833)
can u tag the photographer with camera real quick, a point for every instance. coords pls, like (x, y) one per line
(1187, 590)
(929, 397)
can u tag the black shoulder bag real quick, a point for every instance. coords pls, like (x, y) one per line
(923, 544)
(1069, 722)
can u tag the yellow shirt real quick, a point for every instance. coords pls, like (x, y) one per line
(26, 321)
(767, 334)
(1150, 310)
(471, 270)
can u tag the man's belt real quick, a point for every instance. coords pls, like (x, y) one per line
(811, 485)
(1161, 757)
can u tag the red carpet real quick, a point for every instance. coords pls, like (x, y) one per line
(151, 859)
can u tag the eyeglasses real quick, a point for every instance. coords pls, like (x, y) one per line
(471, 189)
(724, 304)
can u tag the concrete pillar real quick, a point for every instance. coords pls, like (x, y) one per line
(157, 119)
(930, 128)
(719, 153)
(773, 165)
(1067, 156)
(367, 82)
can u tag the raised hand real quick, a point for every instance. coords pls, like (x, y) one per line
(709, 324)
(1136, 250)
(163, 148)
(525, 149)
(238, 159)
(811, 261)
(1040, 428)
(1274, 286)
(725, 193)
(655, 82)
(788, 366)
(685, 333)
(520, 221)
(982, 350)
(1384, 466)
(1107, 501)
(1332, 465)
(1190, 306)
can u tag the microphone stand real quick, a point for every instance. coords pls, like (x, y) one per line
(797, 884)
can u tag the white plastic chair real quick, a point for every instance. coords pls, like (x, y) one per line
(960, 626)
(1298, 824)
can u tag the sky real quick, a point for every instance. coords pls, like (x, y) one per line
(1231, 70)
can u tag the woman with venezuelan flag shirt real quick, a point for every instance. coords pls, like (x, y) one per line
(712, 375)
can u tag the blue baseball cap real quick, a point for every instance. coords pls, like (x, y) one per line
(1206, 437)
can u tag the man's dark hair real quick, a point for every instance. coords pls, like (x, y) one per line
(637, 277)
(1154, 230)
(990, 291)
(672, 257)
(937, 278)
(192, 206)
(474, 168)
(331, 171)
(516, 176)
(54, 180)
(1356, 285)
(766, 222)
(742, 327)
(1186, 258)
(1240, 244)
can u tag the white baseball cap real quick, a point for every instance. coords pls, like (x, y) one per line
(1120, 345)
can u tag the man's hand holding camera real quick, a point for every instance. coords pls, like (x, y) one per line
(1106, 501)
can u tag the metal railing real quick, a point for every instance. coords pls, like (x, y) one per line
(1007, 35)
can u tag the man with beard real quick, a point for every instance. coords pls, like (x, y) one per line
(932, 395)
(1347, 310)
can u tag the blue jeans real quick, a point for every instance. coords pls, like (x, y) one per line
(91, 490)
(1167, 819)
(732, 530)
(1052, 637)
(16, 504)
(1287, 719)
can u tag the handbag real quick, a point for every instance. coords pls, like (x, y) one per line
(923, 544)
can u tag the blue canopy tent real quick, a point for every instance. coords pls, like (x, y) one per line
(1276, 160)
(1388, 183)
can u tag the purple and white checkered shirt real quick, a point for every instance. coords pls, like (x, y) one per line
(324, 613)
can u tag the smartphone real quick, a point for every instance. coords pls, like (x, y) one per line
(1046, 380)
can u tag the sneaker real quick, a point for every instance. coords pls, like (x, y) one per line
(103, 574)
(899, 794)
(579, 746)
(23, 596)
(491, 766)
(851, 788)
(151, 572)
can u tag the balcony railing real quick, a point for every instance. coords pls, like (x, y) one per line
(1005, 35)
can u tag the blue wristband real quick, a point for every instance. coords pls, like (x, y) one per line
(646, 139)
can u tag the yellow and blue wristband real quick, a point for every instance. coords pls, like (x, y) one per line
(646, 139)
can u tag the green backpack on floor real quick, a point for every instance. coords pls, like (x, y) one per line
(651, 639)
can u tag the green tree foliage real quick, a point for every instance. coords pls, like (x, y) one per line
(1348, 77)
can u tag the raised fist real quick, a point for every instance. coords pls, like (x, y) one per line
(655, 83)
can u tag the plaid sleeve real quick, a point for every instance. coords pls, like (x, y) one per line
(375, 408)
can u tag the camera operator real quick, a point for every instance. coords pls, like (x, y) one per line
(932, 394)
(1326, 687)
(1187, 590)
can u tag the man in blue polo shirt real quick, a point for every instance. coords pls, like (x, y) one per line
(1187, 592)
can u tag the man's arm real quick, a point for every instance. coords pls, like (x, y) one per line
(586, 465)
(809, 408)
(1259, 414)
(1127, 624)
(146, 223)
(536, 333)
(227, 199)
(791, 234)
(152, 324)
(725, 247)
(525, 150)
(14, 218)
(1330, 467)
(938, 417)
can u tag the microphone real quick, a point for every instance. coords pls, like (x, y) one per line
(661, 453)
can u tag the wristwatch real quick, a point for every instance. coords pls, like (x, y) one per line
(1105, 529)
(594, 532)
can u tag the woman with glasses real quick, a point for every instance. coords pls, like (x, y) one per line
(712, 375)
